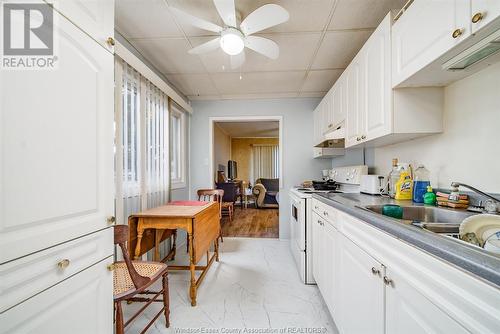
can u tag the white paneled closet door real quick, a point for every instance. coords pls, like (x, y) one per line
(56, 151)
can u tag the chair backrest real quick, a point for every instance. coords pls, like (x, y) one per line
(211, 195)
(121, 236)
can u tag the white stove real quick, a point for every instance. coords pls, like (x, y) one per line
(348, 179)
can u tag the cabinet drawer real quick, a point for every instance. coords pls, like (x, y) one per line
(325, 211)
(27, 276)
(82, 304)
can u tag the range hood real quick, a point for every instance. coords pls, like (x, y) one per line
(483, 49)
(334, 138)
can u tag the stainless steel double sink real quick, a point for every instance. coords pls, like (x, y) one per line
(434, 219)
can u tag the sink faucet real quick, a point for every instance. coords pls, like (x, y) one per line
(491, 205)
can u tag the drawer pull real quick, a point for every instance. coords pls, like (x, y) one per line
(363, 137)
(477, 17)
(388, 281)
(375, 271)
(63, 264)
(325, 213)
(111, 267)
(111, 220)
(110, 41)
(456, 33)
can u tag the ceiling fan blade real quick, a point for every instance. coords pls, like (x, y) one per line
(263, 18)
(212, 45)
(195, 21)
(238, 60)
(263, 46)
(227, 11)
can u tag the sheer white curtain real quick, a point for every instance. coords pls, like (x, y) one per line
(142, 143)
(265, 162)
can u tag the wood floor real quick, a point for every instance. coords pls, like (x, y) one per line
(252, 223)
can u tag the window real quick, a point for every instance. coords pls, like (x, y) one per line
(178, 148)
(265, 162)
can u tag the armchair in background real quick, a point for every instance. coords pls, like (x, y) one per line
(265, 191)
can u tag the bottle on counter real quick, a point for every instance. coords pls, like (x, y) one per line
(404, 187)
(430, 196)
(421, 180)
(394, 177)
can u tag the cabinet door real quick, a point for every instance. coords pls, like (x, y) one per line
(339, 110)
(317, 244)
(361, 291)
(488, 9)
(424, 33)
(377, 82)
(329, 101)
(57, 147)
(95, 17)
(354, 102)
(331, 262)
(409, 311)
(81, 304)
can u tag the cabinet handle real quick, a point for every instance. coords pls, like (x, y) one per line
(388, 281)
(111, 220)
(477, 17)
(330, 126)
(325, 213)
(456, 33)
(63, 264)
(110, 41)
(363, 137)
(375, 271)
(316, 207)
(358, 139)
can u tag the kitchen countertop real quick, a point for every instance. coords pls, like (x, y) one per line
(471, 259)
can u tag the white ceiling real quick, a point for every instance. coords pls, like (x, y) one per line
(260, 129)
(316, 45)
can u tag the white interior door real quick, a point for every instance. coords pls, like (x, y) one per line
(56, 169)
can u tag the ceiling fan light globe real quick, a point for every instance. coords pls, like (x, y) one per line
(231, 42)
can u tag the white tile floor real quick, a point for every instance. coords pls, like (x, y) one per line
(255, 285)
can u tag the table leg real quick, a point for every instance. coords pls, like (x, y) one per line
(216, 249)
(174, 245)
(158, 235)
(192, 289)
(138, 245)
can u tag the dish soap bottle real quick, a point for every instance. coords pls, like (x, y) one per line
(421, 180)
(430, 197)
(404, 187)
(393, 178)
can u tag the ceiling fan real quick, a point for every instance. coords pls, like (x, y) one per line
(233, 38)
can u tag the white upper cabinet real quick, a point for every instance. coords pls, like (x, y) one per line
(425, 31)
(483, 12)
(95, 17)
(353, 103)
(57, 147)
(376, 56)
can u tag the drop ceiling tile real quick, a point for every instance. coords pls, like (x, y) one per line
(258, 82)
(356, 14)
(203, 9)
(169, 55)
(321, 80)
(252, 96)
(296, 52)
(145, 18)
(305, 15)
(193, 84)
(338, 48)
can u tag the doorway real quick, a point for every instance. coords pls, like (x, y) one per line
(245, 161)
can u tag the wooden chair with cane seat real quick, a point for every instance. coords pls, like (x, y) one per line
(131, 280)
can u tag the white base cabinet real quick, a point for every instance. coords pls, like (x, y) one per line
(379, 284)
(82, 304)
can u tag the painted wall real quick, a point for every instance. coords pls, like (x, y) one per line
(222, 149)
(241, 152)
(468, 150)
(298, 164)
